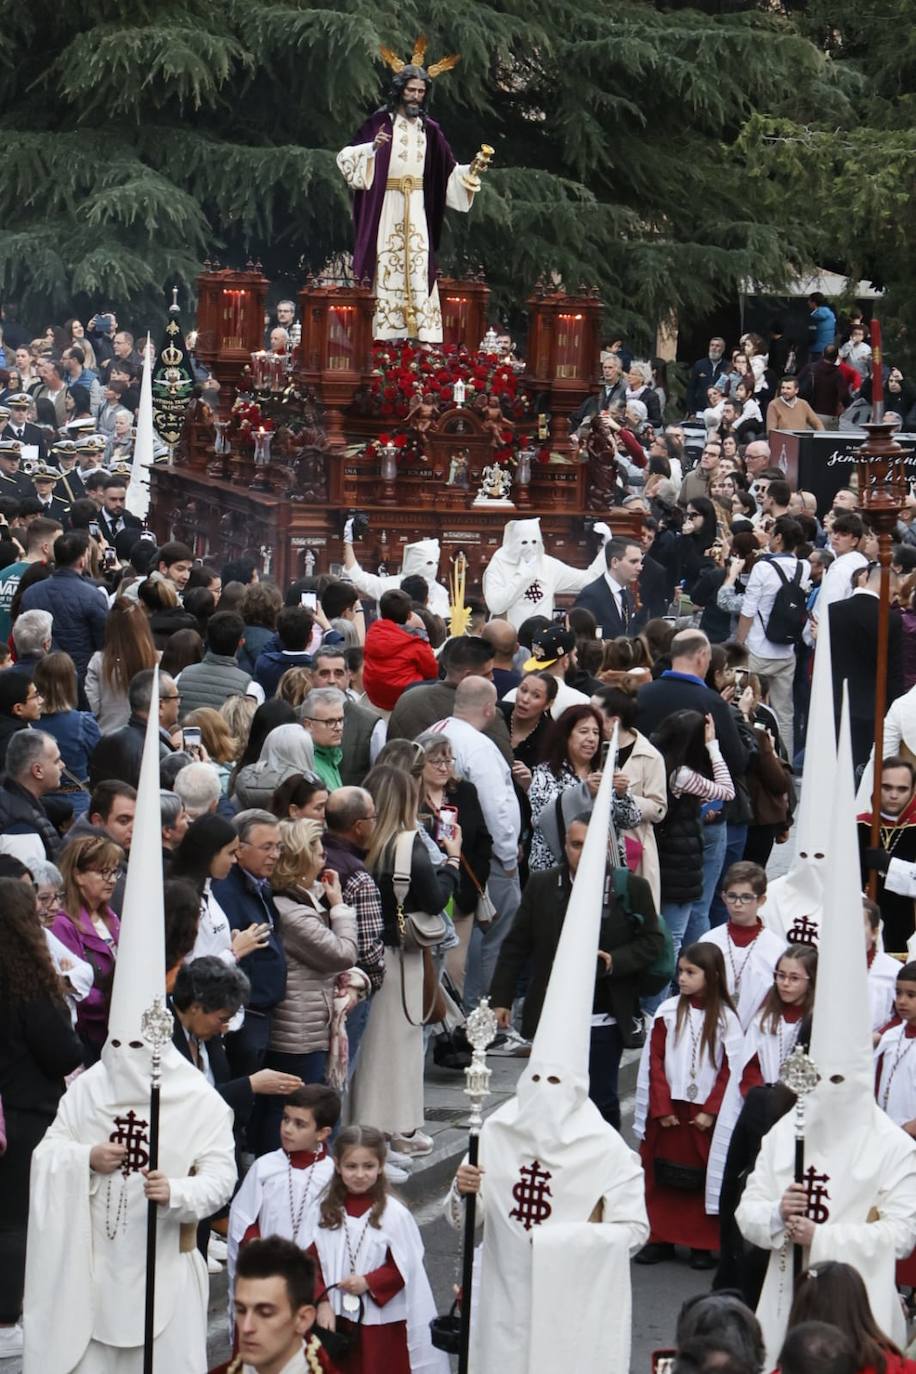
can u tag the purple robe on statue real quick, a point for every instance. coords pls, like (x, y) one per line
(367, 205)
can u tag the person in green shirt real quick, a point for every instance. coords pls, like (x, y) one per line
(39, 549)
(323, 717)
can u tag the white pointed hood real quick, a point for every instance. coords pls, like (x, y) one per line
(841, 1039)
(421, 558)
(138, 486)
(552, 1112)
(520, 537)
(140, 968)
(800, 891)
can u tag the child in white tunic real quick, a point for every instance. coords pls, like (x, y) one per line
(750, 951)
(370, 1258)
(895, 1076)
(282, 1190)
(882, 971)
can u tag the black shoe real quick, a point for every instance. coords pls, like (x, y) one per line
(702, 1259)
(654, 1253)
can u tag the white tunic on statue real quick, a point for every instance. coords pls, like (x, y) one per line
(392, 287)
(86, 1253)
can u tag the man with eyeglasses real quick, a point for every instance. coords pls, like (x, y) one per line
(751, 952)
(696, 483)
(323, 717)
(246, 898)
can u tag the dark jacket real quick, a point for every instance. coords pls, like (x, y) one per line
(702, 375)
(476, 842)
(79, 610)
(359, 723)
(237, 1093)
(168, 621)
(255, 640)
(678, 692)
(854, 653)
(106, 524)
(716, 624)
(532, 941)
(680, 850)
(38, 1047)
(653, 591)
(602, 398)
(273, 662)
(77, 734)
(245, 902)
(430, 888)
(598, 598)
(119, 754)
(23, 814)
(9, 726)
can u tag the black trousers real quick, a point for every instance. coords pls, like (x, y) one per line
(24, 1131)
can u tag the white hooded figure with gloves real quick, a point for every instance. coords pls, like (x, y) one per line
(858, 1202)
(561, 1195)
(521, 580)
(86, 1253)
(419, 559)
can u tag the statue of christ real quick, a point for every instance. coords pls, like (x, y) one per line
(403, 173)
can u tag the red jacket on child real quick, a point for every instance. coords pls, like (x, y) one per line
(394, 658)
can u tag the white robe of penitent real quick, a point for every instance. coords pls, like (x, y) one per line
(86, 1254)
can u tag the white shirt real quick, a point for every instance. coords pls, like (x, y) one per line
(836, 584)
(763, 585)
(478, 759)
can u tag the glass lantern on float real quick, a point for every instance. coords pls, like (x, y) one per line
(262, 441)
(341, 344)
(490, 342)
(570, 345)
(388, 469)
(221, 444)
(459, 391)
(523, 462)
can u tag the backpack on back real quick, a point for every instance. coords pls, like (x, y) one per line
(789, 612)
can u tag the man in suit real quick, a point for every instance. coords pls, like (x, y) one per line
(612, 391)
(114, 515)
(45, 480)
(653, 580)
(610, 598)
(13, 482)
(854, 656)
(21, 428)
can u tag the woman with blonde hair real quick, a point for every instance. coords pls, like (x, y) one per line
(387, 1086)
(238, 713)
(294, 686)
(129, 648)
(216, 737)
(318, 934)
(86, 924)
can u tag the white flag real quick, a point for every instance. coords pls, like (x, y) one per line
(138, 487)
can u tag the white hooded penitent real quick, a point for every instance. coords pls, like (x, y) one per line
(554, 1168)
(86, 1257)
(794, 901)
(522, 580)
(420, 558)
(860, 1168)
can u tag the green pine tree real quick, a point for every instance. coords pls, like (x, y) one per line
(141, 136)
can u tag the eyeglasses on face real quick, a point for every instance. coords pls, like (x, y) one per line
(741, 898)
(335, 722)
(791, 978)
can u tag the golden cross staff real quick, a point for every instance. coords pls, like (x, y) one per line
(459, 615)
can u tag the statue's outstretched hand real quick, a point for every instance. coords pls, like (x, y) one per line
(381, 138)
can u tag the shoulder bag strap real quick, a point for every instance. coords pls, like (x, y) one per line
(403, 855)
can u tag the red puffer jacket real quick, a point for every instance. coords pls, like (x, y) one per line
(394, 658)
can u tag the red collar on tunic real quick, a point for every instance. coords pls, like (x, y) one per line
(907, 817)
(744, 935)
(357, 1204)
(303, 1159)
(792, 1014)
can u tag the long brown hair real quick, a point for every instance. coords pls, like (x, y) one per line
(772, 1009)
(129, 646)
(835, 1292)
(55, 678)
(703, 954)
(334, 1204)
(88, 852)
(26, 967)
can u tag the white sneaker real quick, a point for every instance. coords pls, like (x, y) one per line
(217, 1248)
(214, 1266)
(10, 1341)
(413, 1145)
(400, 1161)
(394, 1174)
(511, 1046)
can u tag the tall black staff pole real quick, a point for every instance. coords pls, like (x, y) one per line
(156, 1029)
